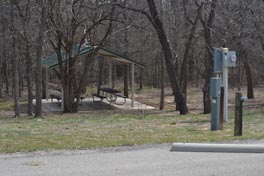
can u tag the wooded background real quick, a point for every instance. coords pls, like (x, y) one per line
(174, 37)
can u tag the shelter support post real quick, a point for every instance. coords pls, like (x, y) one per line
(110, 74)
(47, 82)
(132, 84)
(62, 100)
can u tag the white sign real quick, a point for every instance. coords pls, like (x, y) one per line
(233, 58)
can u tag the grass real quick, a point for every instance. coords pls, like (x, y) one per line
(8, 105)
(112, 128)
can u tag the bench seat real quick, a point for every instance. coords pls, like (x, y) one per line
(98, 96)
(121, 96)
(55, 96)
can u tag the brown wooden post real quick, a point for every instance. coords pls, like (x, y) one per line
(238, 115)
(221, 119)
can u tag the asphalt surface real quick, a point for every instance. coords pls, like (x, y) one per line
(149, 160)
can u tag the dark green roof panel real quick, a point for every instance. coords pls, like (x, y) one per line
(52, 60)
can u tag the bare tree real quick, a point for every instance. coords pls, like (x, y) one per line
(125, 47)
(1, 53)
(207, 23)
(39, 42)
(66, 34)
(239, 31)
(188, 44)
(155, 20)
(4, 68)
(162, 91)
(15, 62)
(24, 14)
(185, 31)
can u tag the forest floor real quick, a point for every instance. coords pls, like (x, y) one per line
(195, 99)
(115, 127)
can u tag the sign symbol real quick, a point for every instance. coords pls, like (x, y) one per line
(233, 58)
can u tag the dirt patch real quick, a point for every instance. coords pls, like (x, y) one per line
(151, 97)
(195, 99)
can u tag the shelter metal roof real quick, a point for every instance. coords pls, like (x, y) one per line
(52, 60)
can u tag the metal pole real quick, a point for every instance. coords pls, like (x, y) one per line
(215, 93)
(225, 82)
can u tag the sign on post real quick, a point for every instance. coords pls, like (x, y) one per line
(223, 59)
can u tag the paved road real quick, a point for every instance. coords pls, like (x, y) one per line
(155, 160)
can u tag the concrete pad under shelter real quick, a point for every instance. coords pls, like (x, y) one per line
(49, 106)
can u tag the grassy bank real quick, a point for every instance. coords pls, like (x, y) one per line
(111, 128)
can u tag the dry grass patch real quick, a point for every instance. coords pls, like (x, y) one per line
(106, 128)
(113, 128)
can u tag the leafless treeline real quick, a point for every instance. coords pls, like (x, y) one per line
(180, 33)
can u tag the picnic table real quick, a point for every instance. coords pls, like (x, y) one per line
(110, 95)
(58, 97)
(55, 96)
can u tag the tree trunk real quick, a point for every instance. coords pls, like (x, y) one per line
(5, 66)
(250, 91)
(161, 84)
(1, 77)
(155, 20)
(15, 66)
(206, 94)
(141, 73)
(157, 73)
(70, 91)
(29, 81)
(6, 77)
(20, 79)
(68, 96)
(38, 111)
(208, 26)
(239, 75)
(125, 49)
(44, 93)
(141, 78)
(1, 54)
(186, 58)
(16, 79)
